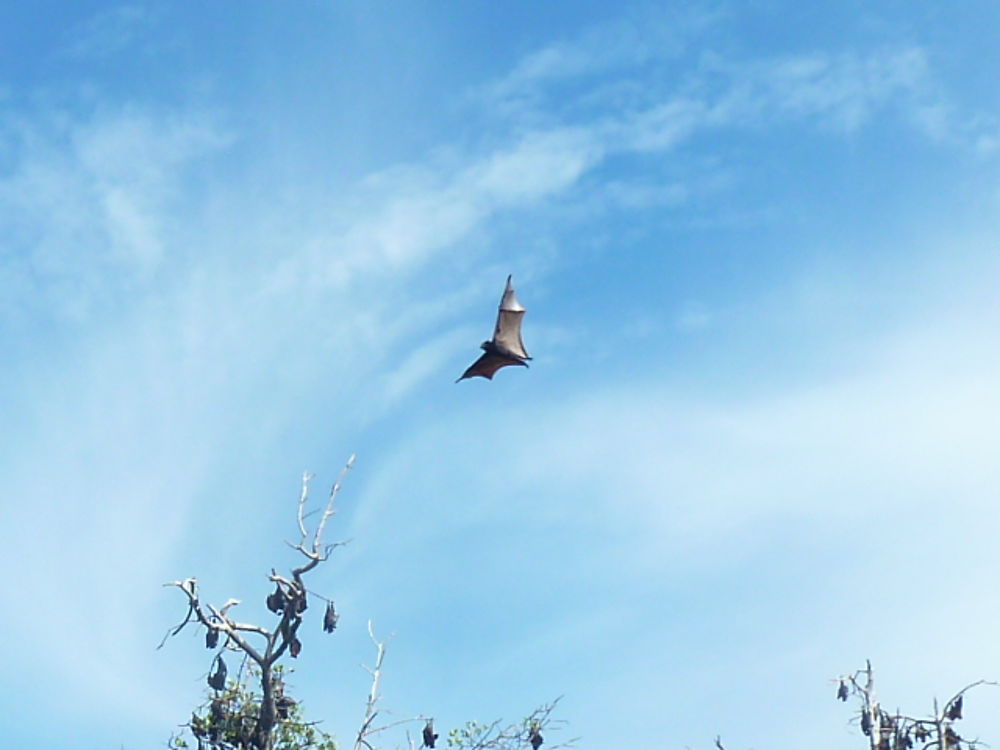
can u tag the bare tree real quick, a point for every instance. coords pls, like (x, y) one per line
(896, 731)
(237, 717)
(263, 646)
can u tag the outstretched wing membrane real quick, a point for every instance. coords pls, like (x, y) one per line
(488, 364)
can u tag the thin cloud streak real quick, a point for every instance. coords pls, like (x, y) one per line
(420, 215)
(86, 206)
(111, 31)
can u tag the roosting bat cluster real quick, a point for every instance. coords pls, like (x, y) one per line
(237, 717)
(229, 721)
(896, 731)
(289, 601)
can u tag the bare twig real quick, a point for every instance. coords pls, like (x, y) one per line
(187, 618)
(515, 735)
(329, 511)
(371, 707)
(303, 496)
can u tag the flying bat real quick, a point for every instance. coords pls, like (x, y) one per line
(506, 347)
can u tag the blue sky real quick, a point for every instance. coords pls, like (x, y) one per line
(757, 243)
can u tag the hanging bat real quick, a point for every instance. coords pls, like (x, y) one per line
(535, 737)
(506, 347)
(217, 680)
(330, 618)
(955, 709)
(429, 735)
(283, 705)
(276, 601)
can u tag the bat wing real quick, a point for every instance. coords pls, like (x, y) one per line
(488, 364)
(507, 334)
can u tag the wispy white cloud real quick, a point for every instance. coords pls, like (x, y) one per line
(841, 91)
(414, 215)
(693, 317)
(648, 36)
(83, 205)
(942, 121)
(110, 31)
(838, 90)
(421, 363)
(539, 165)
(719, 93)
(411, 217)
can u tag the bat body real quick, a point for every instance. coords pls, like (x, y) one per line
(276, 601)
(330, 618)
(506, 347)
(283, 705)
(217, 680)
(429, 736)
(535, 737)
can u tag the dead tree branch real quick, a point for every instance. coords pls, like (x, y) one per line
(371, 706)
(898, 731)
(289, 601)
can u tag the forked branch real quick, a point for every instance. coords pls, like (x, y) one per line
(314, 550)
(371, 706)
